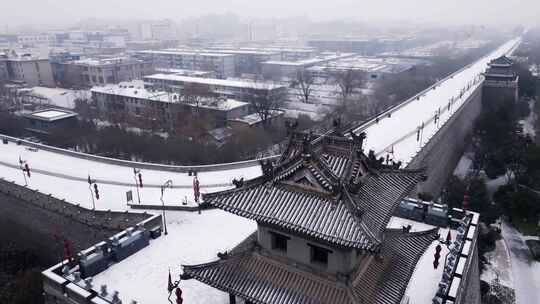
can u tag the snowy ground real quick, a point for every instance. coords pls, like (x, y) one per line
(526, 271)
(66, 177)
(193, 238)
(499, 265)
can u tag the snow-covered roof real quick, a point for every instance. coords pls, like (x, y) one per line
(233, 51)
(183, 72)
(255, 118)
(311, 61)
(135, 89)
(368, 64)
(52, 114)
(185, 53)
(216, 82)
(59, 97)
(105, 61)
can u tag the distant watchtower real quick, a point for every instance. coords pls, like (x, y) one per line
(501, 84)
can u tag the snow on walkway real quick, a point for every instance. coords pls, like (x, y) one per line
(193, 239)
(65, 177)
(398, 131)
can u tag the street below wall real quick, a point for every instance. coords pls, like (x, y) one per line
(525, 270)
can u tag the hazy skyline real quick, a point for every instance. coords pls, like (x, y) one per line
(456, 11)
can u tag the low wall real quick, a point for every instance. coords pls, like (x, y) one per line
(141, 165)
(441, 155)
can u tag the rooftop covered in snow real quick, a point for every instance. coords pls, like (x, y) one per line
(215, 82)
(135, 89)
(51, 115)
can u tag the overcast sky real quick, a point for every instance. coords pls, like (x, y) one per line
(17, 12)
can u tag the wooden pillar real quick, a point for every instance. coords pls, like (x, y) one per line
(232, 299)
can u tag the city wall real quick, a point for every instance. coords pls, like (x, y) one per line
(441, 155)
(32, 220)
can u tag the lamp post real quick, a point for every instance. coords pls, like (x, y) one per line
(92, 182)
(167, 184)
(137, 173)
(23, 165)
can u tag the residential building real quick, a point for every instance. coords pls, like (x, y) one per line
(285, 53)
(4, 72)
(93, 42)
(248, 61)
(56, 97)
(277, 70)
(368, 46)
(133, 99)
(31, 69)
(158, 30)
(42, 39)
(223, 65)
(372, 67)
(182, 72)
(57, 60)
(89, 72)
(237, 89)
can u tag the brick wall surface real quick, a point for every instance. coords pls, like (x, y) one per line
(441, 155)
(31, 219)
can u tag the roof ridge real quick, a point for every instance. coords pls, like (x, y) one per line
(358, 217)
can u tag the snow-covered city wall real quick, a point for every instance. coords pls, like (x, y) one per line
(443, 151)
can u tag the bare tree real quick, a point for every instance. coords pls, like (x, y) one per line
(267, 100)
(195, 93)
(348, 81)
(304, 82)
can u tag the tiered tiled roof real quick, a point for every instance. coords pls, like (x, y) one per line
(261, 279)
(502, 61)
(501, 69)
(323, 187)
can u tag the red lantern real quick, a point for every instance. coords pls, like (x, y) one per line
(27, 169)
(96, 191)
(178, 293)
(466, 201)
(67, 250)
(437, 256)
(196, 190)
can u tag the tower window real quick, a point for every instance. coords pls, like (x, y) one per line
(279, 241)
(319, 255)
